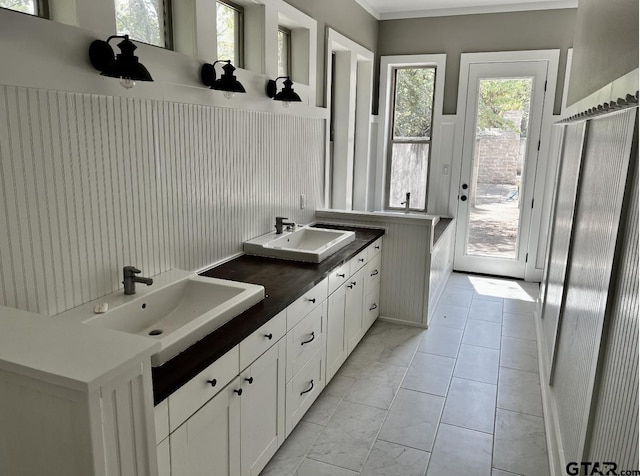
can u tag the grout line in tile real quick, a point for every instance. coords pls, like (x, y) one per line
(519, 370)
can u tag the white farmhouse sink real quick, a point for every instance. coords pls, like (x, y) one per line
(305, 244)
(180, 314)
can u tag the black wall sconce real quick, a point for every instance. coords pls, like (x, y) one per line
(287, 95)
(124, 66)
(227, 82)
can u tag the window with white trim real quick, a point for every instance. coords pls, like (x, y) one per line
(143, 20)
(410, 136)
(284, 51)
(411, 103)
(230, 32)
(32, 7)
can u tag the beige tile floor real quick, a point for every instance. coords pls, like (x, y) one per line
(461, 398)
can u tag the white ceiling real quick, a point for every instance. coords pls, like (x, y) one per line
(392, 9)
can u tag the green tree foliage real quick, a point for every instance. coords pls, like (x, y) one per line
(226, 34)
(139, 19)
(24, 6)
(500, 96)
(413, 102)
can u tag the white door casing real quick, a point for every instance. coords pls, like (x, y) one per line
(542, 67)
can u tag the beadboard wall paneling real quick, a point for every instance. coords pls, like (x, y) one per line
(561, 228)
(597, 216)
(89, 184)
(441, 266)
(615, 413)
(404, 285)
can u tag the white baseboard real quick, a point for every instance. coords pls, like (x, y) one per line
(557, 460)
(400, 321)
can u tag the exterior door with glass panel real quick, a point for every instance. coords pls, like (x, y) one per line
(502, 126)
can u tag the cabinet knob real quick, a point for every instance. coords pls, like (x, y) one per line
(212, 382)
(374, 272)
(313, 336)
(313, 300)
(377, 247)
(374, 306)
(238, 391)
(341, 275)
(307, 390)
(353, 283)
(361, 260)
(250, 380)
(269, 336)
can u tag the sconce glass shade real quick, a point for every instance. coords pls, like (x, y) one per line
(227, 82)
(287, 94)
(125, 65)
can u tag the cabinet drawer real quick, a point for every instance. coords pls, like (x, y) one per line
(304, 340)
(371, 307)
(338, 277)
(303, 389)
(358, 261)
(306, 303)
(161, 416)
(195, 393)
(261, 340)
(374, 248)
(372, 274)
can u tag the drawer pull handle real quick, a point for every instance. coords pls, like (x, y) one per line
(313, 336)
(313, 300)
(269, 336)
(361, 260)
(308, 390)
(250, 380)
(341, 275)
(239, 391)
(350, 286)
(377, 247)
(353, 283)
(212, 382)
(374, 306)
(374, 272)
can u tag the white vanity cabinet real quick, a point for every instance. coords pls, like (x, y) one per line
(208, 442)
(337, 345)
(306, 338)
(262, 410)
(75, 400)
(354, 309)
(230, 420)
(353, 306)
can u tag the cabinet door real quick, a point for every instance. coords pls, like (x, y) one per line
(208, 443)
(262, 409)
(337, 345)
(353, 309)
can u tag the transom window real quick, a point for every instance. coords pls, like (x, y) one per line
(410, 135)
(229, 29)
(284, 51)
(142, 20)
(32, 7)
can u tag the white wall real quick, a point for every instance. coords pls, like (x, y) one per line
(167, 175)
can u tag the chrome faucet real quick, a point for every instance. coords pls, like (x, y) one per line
(130, 279)
(280, 223)
(407, 202)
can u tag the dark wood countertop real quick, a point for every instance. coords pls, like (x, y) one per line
(440, 227)
(284, 282)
